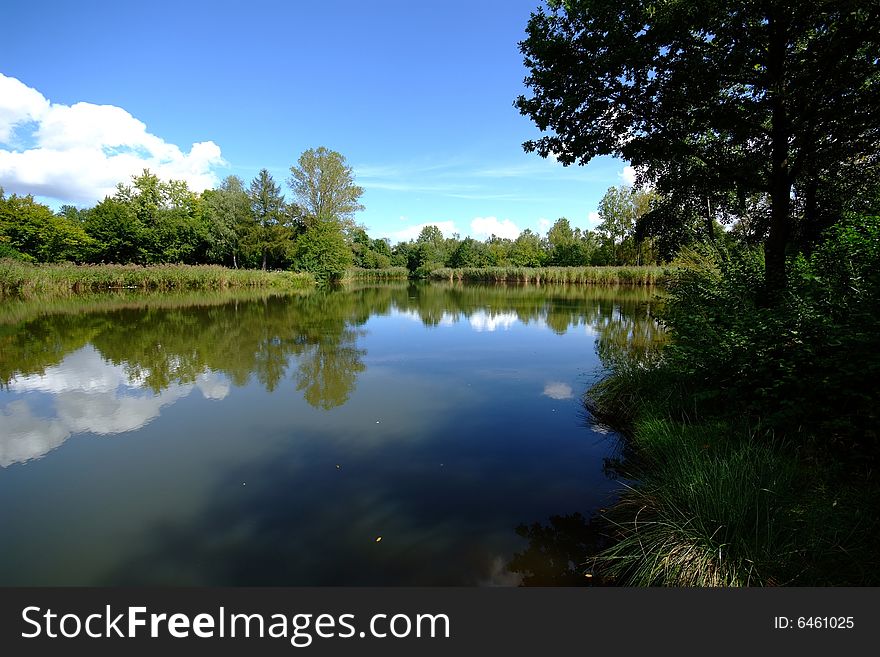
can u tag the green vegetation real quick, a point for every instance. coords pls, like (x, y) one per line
(754, 453)
(25, 279)
(151, 222)
(386, 274)
(752, 437)
(553, 275)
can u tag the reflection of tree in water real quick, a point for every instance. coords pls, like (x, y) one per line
(326, 372)
(558, 554)
(163, 340)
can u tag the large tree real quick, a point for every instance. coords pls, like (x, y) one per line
(738, 97)
(323, 187)
(229, 217)
(270, 233)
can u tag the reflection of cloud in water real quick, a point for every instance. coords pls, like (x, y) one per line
(446, 319)
(483, 321)
(107, 412)
(90, 395)
(558, 390)
(213, 386)
(24, 437)
(83, 370)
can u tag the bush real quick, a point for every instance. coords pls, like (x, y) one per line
(808, 359)
(322, 252)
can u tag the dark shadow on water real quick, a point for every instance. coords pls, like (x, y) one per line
(560, 553)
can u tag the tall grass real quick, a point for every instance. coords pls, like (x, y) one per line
(23, 279)
(386, 274)
(584, 275)
(710, 509)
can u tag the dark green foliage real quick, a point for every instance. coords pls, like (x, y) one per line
(716, 103)
(753, 434)
(118, 234)
(809, 358)
(33, 231)
(322, 251)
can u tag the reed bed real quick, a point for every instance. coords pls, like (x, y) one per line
(649, 275)
(25, 280)
(386, 274)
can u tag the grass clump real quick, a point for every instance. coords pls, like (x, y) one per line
(357, 274)
(709, 510)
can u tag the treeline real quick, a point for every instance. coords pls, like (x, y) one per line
(151, 221)
(254, 226)
(616, 241)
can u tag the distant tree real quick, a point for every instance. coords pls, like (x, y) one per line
(323, 186)
(31, 228)
(229, 217)
(270, 233)
(168, 219)
(620, 210)
(527, 250)
(566, 249)
(118, 234)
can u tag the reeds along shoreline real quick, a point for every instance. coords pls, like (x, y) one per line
(648, 275)
(24, 279)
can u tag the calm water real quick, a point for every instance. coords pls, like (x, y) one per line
(265, 440)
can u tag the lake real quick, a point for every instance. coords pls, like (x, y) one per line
(397, 434)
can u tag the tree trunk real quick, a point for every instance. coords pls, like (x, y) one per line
(234, 260)
(264, 260)
(780, 171)
(710, 226)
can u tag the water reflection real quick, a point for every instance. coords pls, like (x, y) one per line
(269, 439)
(559, 553)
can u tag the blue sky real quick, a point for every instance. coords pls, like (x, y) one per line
(417, 96)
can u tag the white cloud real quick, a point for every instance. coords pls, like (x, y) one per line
(81, 151)
(593, 219)
(558, 390)
(628, 175)
(544, 225)
(24, 437)
(18, 104)
(482, 227)
(482, 321)
(412, 232)
(90, 395)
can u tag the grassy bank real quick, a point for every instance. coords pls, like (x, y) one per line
(23, 279)
(541, 275)
(751, 437)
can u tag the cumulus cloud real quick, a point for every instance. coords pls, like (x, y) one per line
(412, 232)
(78, 153)
(558, 390)
(593, 219)
(482, 227)
(628, 175)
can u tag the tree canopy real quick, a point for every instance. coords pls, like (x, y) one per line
(724, 98)
(323, 186)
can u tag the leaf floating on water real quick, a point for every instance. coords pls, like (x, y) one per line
(378, 538)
